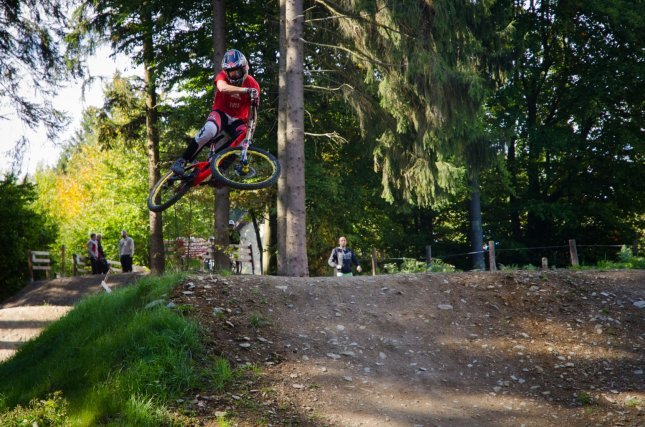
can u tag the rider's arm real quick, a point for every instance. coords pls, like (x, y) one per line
(225, 87)
(331, 261)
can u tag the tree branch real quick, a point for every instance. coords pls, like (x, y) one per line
(314, 87)
(346, 15)
(351, 52)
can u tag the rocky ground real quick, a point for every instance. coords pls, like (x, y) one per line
(471, 349)
(462, 349)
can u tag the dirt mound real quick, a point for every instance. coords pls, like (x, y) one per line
(498, 349)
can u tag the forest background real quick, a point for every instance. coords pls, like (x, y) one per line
(445, 123)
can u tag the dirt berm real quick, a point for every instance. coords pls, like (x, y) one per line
(464, 349)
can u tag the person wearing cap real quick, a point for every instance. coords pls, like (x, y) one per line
(126, 250)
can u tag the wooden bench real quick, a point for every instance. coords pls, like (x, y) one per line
(242, 253)
(82, 265)
(238, 255)
(39, 260)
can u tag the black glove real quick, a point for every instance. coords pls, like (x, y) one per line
(254, 96)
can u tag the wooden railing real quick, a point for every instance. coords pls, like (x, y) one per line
(39, 260)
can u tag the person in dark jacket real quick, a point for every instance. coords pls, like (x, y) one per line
(102, 264)
(342, 258)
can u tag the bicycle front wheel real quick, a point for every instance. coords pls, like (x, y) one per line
(261, 171)
(167, 191)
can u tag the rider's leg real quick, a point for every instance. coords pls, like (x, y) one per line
(210, 129)
(238, 133)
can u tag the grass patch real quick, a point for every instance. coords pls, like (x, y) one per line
(634, 402)
(584, 398)
(256, 321)
(113, 360)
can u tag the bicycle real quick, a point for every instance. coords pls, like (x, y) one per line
(243, 168)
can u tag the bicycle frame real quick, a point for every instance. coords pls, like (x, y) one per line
(202, 169)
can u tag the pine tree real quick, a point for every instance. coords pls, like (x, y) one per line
(32, 65)
(430, 64)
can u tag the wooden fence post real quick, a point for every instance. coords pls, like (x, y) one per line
(62, 261)
(573, 251)
(545, 263)
(428, 256)
(491, 255)
(374, 264)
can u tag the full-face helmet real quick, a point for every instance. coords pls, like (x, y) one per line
(235, 65)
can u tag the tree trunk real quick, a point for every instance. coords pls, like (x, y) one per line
(476, 232)
(296, 239)
(533, 228)
(222, 196)
(156, 248)
(258, 239)
(266, 242)
(516, 230)
(283, 191)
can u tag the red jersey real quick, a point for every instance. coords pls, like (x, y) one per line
(234, 104)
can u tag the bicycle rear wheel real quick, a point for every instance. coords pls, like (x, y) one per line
(262, 170)
(167, 191)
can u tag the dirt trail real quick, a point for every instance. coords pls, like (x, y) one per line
(463, 349)
(24, 315)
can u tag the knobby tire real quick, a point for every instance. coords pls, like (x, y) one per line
(265, 168)
(167, 186)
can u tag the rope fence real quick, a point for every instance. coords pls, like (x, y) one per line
(492, 251)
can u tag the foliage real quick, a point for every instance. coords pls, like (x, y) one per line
(571, 125)
(32, 62)
(95, 190)
(626, 259)
(410, 265)
(426, 67)
(122, 357)
(566, 125)
(24, 228)
(51, 411)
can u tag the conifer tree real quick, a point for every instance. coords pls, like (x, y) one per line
(32, 65)
(430, 64)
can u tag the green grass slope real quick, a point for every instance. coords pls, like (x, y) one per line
(115, 359)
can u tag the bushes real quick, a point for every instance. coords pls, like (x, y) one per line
(626, 259)
(23, 228)
(410, 265)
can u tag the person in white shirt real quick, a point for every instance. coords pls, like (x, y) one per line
(126, 250)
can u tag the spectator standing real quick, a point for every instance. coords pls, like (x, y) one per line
(126, 251)
(102, 264)
(233, 233)
(342, 258)
(234, 239)
(93, 253)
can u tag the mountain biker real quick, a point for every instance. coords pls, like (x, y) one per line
(235, 92)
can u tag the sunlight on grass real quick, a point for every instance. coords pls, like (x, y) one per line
(115, 361)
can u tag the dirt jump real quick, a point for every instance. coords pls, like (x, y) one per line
(461, 349)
